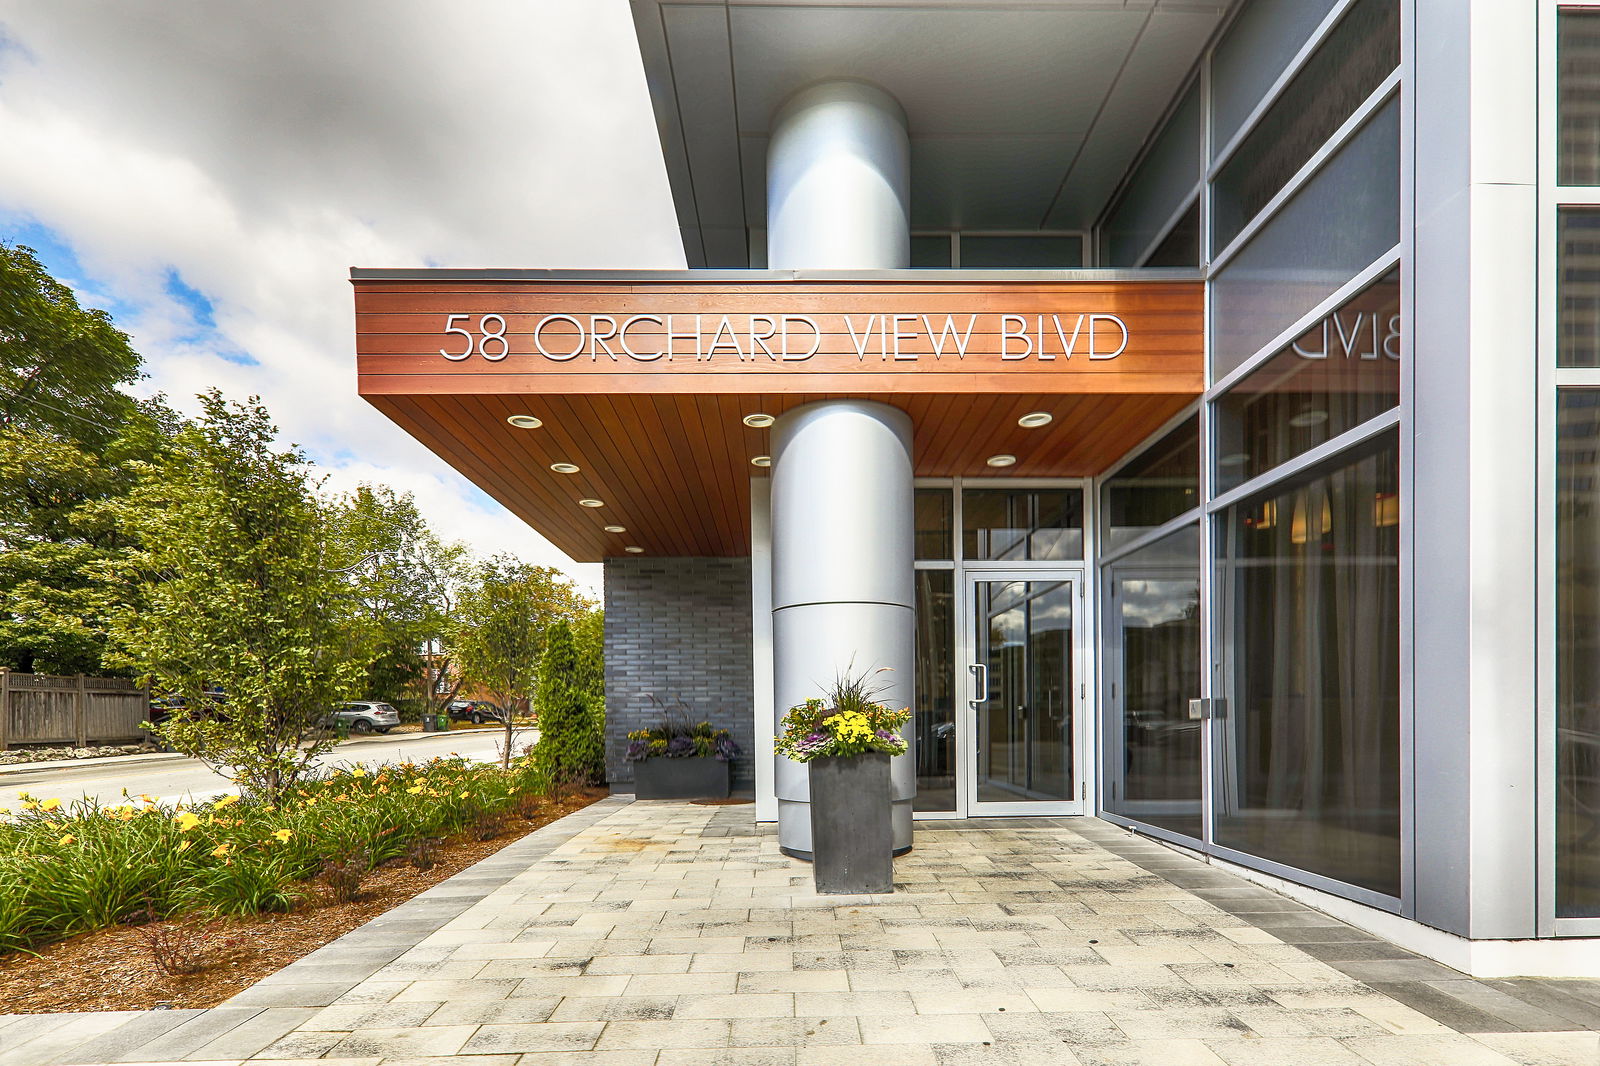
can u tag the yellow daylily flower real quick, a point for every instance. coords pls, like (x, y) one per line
(186, 821)
(49, 805)
(283, 836)
(183, 847)
(29, 805)
(68, 839)
(413, 791)
(225, 801)
(219, 851)
(358, 772)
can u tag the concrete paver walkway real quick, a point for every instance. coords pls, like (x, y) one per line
(658, 934)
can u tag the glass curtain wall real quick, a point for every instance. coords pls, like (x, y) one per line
(934, 714)
(1305, 202)
(1577, 472)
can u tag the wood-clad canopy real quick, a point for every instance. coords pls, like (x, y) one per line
(661, 440)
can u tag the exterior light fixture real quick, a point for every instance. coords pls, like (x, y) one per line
(1307, 419)
(591, 502)
(633, 550)
(758, 420)
(761, 460)
(564, 468)
(1035, 419)
(616, 529)
(525, 421)
(1001, 460)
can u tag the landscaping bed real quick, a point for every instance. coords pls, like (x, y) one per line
(115, 968)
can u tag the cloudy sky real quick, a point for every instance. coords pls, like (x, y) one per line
(208, 172)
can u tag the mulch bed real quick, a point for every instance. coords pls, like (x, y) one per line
(116, 969)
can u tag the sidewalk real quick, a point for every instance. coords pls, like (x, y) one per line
(665, 934)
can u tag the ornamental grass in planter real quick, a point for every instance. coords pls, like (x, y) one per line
(680, 759)
(846, 743)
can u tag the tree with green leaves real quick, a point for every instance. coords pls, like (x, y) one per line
(589, 638)
(571, 747)
(407, 583)
(501, 626)
(235, 583)
(67, 438)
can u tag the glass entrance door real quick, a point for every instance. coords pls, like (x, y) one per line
(1028, 682)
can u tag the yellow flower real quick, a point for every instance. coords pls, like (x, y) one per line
(219, 851)
(68, 839)
(49, 805)
(283, 836)
(225, 801)
(358, 772)
(29, 805)
(383, 788)
(269, 808)
(146, 797)
(186, 821)
(413, 791)
(125, 815)
(312, 802)
(183, 847)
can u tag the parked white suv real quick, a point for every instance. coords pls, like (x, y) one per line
(366, 716)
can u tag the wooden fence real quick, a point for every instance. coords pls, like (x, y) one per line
(46, 709)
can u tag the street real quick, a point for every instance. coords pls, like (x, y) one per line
(172, 779)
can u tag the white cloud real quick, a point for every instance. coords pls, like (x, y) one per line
(259, 151)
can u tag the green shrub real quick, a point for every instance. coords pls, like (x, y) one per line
(65, 869)
(571, 744)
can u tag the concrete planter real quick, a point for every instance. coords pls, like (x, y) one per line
(693, 778)
(852, 838)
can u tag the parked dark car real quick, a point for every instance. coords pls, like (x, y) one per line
(212, 705)
(365, 716)
(475, 711)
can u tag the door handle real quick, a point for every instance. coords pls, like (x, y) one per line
(981, 672)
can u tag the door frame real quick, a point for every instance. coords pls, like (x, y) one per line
(1082, 732)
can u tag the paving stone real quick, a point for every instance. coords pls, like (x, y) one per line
(1545, 1049)
(408, 1042)
(540, 1037)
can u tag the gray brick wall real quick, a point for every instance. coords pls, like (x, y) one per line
(678, 628)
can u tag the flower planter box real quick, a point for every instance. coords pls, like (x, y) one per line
(852, 838)
(691, 778)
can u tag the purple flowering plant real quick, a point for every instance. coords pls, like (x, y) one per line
(678, 736)
(851, 721)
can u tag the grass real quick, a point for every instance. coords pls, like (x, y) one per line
(69, 868)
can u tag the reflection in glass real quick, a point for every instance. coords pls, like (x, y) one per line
(1024, 641)
(935, 537)
(1256, 47)
(935, 706)
(1578, 654)
(1338, 224)
(1153, 748)
(1578, 286)
(1578, 45)
(1016, 253)
(1347, 66)
(1181, 246)
(1309, 771)
(1158, 486)
(1165, 178)
(1022, 524)
(1340, 373)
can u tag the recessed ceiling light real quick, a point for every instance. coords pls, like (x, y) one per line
(564, 468)
(591, 503)
(1234, 459)
(761, 460)
(1306, 419)
(525, 421)
(616, 529)
(1035, 419)
(633, 550)
(1001, 460)
(759, 420)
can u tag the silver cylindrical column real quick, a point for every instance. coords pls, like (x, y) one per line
(838, 180)
(842, 577)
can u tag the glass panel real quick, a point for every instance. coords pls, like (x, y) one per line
(1021, 252)
(1338, 374)
(1578, 47)
(1309, 770)
(1153, 748)
(1157, 487)
(935, 537)
(1350, 63)
(1578, 654)
(1257, 47)
(1163, 182)
(1340, 222)
(935, 719)
(1024, 640)
(930, 253)
(1180, 247)
(1578, 286)
(1022, 524)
